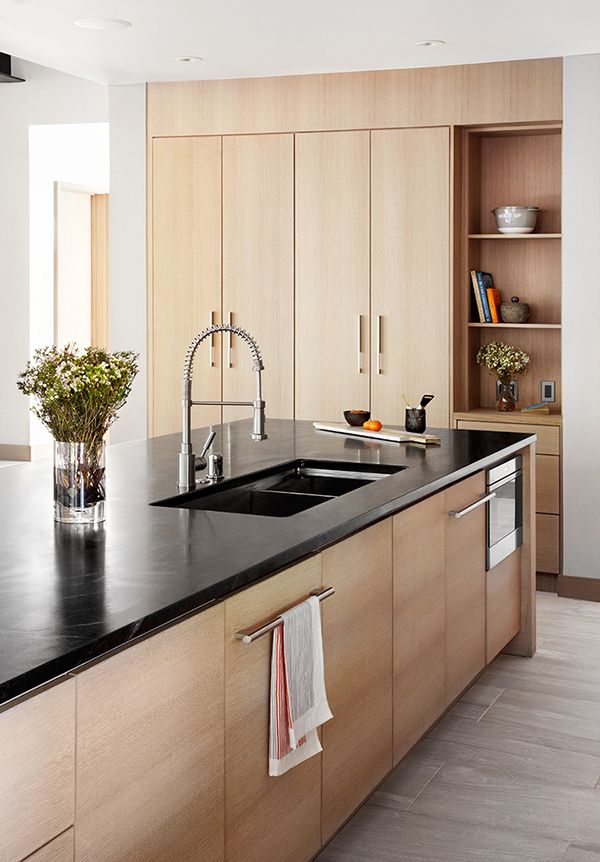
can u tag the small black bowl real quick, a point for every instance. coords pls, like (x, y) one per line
(357, 420)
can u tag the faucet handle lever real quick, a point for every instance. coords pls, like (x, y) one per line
(208, 443)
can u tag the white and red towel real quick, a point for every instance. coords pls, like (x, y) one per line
(298, 698)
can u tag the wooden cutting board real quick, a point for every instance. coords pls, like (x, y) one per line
(387, 435)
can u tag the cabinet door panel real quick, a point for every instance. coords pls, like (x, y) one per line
(266, 818)
(58, 850)
(503, 604)
(258, 267)
(186, 276)
(410, 271)
(37, 763)
(465, 586)
(332, 273)
(357, 635)
(419, 621)
(150, 749)
(547, 482)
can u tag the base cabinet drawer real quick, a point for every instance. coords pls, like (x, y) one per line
(547, 484)
(503, 604)
(548, 436)
(548, 543)
(37, 771)
(58, 850)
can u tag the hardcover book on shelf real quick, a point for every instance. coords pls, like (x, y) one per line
(477, 295)
(480, 286)
(493, 297)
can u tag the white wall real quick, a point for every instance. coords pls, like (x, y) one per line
(127, 306)
(50, 97)
(581, 316)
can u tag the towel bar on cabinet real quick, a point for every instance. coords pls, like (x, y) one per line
(247, 636)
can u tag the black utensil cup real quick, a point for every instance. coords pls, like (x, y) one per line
(416, 420)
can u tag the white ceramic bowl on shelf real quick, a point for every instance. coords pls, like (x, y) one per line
(515, 219)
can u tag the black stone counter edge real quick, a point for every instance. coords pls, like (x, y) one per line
(45, 675)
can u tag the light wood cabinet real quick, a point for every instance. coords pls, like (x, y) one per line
(37, 769)
(465, 586)
(332, 274)
(410, 272)
(60, 849)
(266, 818)
(548, 543)
(357, 643)
(419, 620)
(186, 262)
(502, 604)
(150, 749)
(547, 471)
(258, 268)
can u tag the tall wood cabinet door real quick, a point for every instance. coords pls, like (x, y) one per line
(150, 749)
(419, 621)
(465, 585)
(37, 770)
(266, 818)
(258, 268)
(332, 274)
(410, 272)
(186, 294)
(357, 641)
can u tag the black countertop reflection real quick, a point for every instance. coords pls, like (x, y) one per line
(69, 593)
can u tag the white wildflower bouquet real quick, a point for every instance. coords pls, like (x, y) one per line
(503, 360)
(78, 395)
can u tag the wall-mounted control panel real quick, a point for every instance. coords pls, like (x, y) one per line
(548, 390)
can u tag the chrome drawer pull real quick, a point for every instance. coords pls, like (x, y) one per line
(474, 505)
(248, 636)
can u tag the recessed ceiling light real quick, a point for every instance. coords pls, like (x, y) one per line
(102, 23)
(430, 43)
(190, 59)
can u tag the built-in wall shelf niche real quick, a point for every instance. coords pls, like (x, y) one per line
(499, 166)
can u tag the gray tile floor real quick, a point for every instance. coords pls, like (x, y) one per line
(511, 773)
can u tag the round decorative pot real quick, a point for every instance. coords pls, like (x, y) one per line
(515, 311)
(79, 483)
(506, 402)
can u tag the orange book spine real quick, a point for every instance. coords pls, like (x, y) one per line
(494, 302)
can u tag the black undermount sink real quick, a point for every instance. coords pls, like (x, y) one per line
(283, 490)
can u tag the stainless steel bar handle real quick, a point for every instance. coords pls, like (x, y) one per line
(473, 506)
(211, 352)
(378, 347)
(248, 636)
(230, 341)
(359, 344)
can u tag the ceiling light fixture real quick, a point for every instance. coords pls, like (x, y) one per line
(190, 59)
(430, 43)
(102, 23)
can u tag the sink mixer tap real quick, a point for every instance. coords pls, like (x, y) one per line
(188, 462)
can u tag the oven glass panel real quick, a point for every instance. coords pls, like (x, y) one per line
(504, 512)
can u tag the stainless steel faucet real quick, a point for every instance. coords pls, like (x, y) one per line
(188, 462)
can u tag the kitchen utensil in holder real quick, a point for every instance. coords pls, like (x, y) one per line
(415, 420)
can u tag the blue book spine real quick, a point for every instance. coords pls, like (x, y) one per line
(484, 300)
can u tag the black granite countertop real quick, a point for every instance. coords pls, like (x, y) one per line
(69, 594)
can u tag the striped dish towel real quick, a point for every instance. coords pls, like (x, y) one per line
(298, 698)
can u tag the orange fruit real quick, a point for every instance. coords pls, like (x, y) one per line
(373, 425)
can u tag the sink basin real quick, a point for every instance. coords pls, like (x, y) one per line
(283, 490)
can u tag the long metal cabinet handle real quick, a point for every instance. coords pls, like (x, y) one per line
(229, 341)
(211, 356)
(378, 347)
(474, 505)
(359, 343)
(248, 636)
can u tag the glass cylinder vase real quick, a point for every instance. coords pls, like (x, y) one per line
(506, 401)
(79, 483)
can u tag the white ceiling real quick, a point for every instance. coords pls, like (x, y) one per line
(247, 38)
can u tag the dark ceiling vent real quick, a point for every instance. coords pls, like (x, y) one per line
(5, 70)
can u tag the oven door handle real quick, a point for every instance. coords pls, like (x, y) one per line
(475, 505)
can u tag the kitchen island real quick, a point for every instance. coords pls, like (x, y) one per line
(171, 729)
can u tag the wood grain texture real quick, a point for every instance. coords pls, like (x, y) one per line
(37, 765)
(419, 620)
(150, 748)
(524, 644)
(265, 818)
(100, 268)
(410, 271)
(357, 642)
(332, 273)
(186, 287)
(548, 543)
(510, 92)
(465, 586)
(60, 849)
(502, 604)
(548, 484)
(258, 267)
